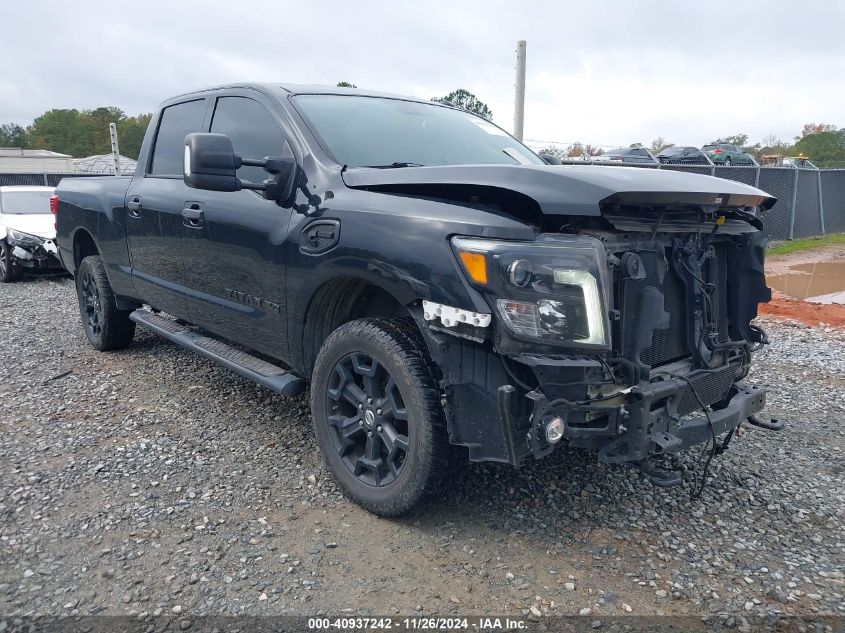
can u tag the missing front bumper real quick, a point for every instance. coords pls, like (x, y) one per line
(652, 419)
(491, 412)
(654, 432)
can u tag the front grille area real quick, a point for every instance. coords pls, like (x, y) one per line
(711, 386)
(670, 344)
(717, 273)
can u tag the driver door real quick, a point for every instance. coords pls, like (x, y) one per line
(233, 245)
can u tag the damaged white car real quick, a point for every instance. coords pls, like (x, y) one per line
(27, 231)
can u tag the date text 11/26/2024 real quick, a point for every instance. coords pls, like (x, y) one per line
(417, 624)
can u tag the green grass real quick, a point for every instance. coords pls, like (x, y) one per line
(807, 244)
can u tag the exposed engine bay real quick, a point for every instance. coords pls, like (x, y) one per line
(682, 287)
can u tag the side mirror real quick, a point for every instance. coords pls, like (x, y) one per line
(551, 159)
(211, 163)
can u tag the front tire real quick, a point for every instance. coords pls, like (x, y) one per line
(377, 415)
(106, 327)
(9, 270)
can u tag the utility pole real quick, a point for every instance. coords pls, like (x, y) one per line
(519, 92)
(115, 150)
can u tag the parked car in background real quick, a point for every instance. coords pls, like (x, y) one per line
(796, 162)
(27, 231)
(680, 155)
(626, 155)
(728, 154)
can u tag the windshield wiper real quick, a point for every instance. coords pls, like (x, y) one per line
(395, 165)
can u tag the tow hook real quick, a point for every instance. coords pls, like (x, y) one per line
(773, 425)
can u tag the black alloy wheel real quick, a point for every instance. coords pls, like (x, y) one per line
(93, 308)
(378, 415)
(106, 326)
(369, 422)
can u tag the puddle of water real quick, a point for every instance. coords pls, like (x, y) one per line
(822, 282)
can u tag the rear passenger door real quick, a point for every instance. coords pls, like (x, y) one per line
(234, 255)
(153, 210)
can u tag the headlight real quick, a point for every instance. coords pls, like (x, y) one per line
(17, 238)
(550, 291)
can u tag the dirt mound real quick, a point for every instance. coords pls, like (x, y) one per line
(783, 307)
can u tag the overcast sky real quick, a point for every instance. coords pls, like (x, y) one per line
(606, 72)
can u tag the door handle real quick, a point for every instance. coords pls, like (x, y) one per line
(134, 205)
(193, 215)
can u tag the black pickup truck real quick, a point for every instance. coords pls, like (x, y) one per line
(432, 278)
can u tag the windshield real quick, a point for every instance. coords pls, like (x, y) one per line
(26, 202)
(382, 132)
(672, 151)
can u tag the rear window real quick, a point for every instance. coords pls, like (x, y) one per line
(708, 148)
(673, 151)
(25, 202)
(177, 121)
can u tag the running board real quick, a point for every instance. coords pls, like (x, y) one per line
(275, 378)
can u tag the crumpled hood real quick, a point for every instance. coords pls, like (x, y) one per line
(572, 189)
(40, 224)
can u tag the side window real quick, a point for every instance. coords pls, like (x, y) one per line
(176, 122)
(253, 130)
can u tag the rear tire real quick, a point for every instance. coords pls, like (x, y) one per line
(728, 162)
(9, 270)
(376, 410)
(106, 327)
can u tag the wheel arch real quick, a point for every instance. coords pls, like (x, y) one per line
(84, 245)
(338, 301)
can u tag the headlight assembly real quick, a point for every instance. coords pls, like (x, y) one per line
(18, 238)
(550, 291)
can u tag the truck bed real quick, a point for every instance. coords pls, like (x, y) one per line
(92, 208)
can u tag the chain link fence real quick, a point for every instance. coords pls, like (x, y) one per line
(42, 179)
(810, 202)
(832, 199)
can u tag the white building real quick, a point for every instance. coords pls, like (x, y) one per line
(34, 161)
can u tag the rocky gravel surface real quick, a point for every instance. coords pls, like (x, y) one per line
(150, 481)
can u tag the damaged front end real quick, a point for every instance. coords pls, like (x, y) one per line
(32, 252)
(630, 335)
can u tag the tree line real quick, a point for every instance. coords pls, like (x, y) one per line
(78, 133)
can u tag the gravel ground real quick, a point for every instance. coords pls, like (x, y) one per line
(151, 481)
